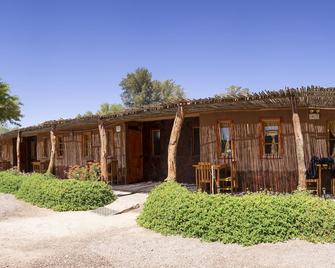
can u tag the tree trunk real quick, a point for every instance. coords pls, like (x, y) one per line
(18, 157)
(103, 152)
(52, 153)
(299, 144)
(173, 144)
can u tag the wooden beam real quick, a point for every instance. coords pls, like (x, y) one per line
(299, 145)
(53, 152)
(173, 144)
(103, 151)
(18, 157)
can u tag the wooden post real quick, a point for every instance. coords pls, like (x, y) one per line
(103, 152)
(18, 158)
(173, 144)
(53, 152)
(299, 145)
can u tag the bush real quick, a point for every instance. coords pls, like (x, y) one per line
(249, 219)
(92, 172)
(10, 182)
(45, 190)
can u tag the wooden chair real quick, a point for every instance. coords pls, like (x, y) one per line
(333, 186)
(228, 182)
(36, 166)
(112, 167)
(203, 175)
(313, 185)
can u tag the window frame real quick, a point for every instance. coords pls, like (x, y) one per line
(153, 142)
(58, 146)
(232, 141)
(276, 122)
(329, 139)
(193, 141)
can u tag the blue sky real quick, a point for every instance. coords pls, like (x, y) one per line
(66, 57)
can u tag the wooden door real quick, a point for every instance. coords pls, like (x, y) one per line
(134, 154)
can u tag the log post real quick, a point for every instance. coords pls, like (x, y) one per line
(173, 144)
(103, 152)
(18, 157)
(299, 145)
(52, 152)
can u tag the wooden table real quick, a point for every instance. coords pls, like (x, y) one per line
(215, 174)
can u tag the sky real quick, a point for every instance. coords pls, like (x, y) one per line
(66, 57)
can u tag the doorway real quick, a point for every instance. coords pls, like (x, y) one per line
(134, 153)
(28, 153)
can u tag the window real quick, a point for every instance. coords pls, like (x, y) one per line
(45, 147)
(156, 142)
(85, 145)
(331, 138)
(196, 141)
(271, 145)
(225, 139)
(60, 146)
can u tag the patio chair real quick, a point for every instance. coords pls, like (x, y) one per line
(228, 180)
(203, 175)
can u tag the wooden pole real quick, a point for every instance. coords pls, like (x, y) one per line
(173, 144)
(103, 152)
(53, 152)
(18, 157)
(299, 145)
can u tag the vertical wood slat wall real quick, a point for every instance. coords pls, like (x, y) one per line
(253, 171)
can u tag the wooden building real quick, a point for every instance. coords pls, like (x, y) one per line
(255, 131)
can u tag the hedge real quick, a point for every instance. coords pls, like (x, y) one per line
(61, 195)
(247, 220)
(10, 182)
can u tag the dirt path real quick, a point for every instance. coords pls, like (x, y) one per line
(34, 237)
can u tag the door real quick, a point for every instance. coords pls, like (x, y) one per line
(134, 154)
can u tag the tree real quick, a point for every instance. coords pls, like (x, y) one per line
(10, 110)
(139, 89)
(234, 91)
(107, 108)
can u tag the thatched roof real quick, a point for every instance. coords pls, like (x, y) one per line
(314, 97)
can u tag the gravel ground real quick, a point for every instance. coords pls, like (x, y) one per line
(34, 237)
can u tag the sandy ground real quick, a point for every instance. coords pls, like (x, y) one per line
(34, 237)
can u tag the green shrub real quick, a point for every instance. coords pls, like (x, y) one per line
(63, 195)
(45, 190)
(249, 219)
(10, 182)
(83, 173)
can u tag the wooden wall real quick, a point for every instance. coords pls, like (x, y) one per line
(73, 149)
(155, 167)
(255, 172)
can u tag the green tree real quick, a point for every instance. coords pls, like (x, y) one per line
(140, 89)
(234, 91)
(10, 110)
(87, 113)
(107, 108)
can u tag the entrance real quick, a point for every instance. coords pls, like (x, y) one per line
(134, 153)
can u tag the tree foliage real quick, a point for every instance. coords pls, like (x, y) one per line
(10, 110)
(234, 91)
(140, 89)
(107, 108)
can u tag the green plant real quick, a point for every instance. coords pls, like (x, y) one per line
(10, 182)
(45, 190)
(92, 172)
(63, 195)
(250, 219)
